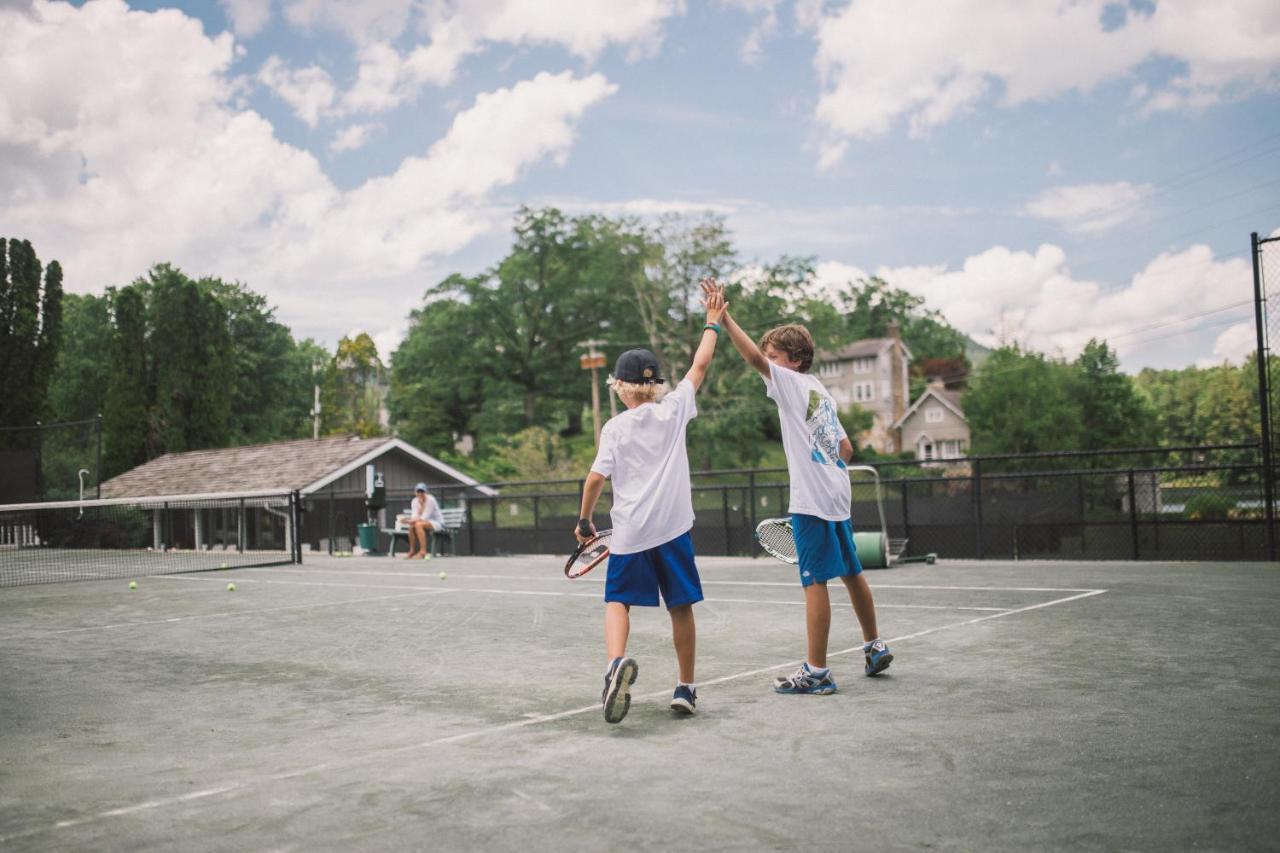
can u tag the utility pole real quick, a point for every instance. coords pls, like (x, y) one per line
(593, 361)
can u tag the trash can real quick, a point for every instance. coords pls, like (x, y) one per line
(368, 537)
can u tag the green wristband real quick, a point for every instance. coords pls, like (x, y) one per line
(714, 327)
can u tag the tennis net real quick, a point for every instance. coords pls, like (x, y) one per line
(128, 537)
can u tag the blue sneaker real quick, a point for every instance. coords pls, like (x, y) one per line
(804, 681)
(616, 697)
(685, 699)
(878, 657)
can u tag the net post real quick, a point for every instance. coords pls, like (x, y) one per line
(295, 501)
(1264, 400)
(240, 527)
(333, 509)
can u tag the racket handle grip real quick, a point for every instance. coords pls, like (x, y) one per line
(584, 527)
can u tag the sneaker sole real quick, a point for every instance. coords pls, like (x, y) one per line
(618, 701)
(825, 690)
(880, 665)
(682, 706)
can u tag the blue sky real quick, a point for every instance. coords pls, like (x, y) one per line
(1039, 172)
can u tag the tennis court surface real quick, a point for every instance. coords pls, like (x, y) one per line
(368, 704)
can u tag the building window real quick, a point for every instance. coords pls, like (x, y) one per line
(864, 392)
(933, 415)
(926, 451)
(863, 365)
(829, 368)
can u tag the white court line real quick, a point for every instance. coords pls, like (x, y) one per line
(554, 578)
(489, 731)
(592, 595)
(248, 612)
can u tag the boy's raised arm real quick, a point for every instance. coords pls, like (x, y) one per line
(713, 299)
(746, 347)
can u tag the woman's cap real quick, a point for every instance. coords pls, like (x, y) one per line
(639, 367)
(421, 487)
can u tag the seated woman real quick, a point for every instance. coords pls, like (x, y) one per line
(425, 516)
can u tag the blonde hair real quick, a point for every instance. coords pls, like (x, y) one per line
(640, 392)
(794, 340)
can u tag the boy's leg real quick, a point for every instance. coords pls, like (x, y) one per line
(684, 635)
(617, 628)
(877, 654)
(621, 672)
(817, 611)
(864, 605)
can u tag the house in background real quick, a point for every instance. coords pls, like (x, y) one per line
(873, 374)
(329, 474)
(935, 426)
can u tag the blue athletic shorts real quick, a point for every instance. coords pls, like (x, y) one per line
(825, 549)
(637, 578)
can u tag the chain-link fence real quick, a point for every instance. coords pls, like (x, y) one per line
(1175, 503)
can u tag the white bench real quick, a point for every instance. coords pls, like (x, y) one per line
(453, 520)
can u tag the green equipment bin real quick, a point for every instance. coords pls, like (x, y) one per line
(368, 537)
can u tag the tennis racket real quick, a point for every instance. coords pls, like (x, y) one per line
(588, 555)
(777, 539)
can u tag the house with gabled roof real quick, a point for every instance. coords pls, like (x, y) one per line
(873, 374)
(935, 426)
(330, 474)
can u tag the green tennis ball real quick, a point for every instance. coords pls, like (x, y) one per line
(444, 575)
(223, 566)
(231, 587)
(133, 584)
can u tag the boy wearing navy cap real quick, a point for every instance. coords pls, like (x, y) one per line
(651, 553)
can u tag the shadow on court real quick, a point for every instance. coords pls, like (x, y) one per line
(369, 704)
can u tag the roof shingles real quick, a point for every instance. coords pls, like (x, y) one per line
(282, 466)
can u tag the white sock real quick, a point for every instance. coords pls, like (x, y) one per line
(816, 670)
(871, 642)
(690, 684)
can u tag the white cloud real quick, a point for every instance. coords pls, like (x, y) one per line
(387, 78)
(1090, 208)
(248, 17)
(1034, 299)
(926, 63)
(363, 21)
(354, 136)
(765, 13)
(309, 91)
(109, 183)
(1236, 344)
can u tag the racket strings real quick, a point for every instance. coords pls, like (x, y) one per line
(776, 537)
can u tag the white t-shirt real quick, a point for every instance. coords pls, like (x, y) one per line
(426, 509)
(643, 451)
(811, 436)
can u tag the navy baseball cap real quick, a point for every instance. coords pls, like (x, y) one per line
(638, 366)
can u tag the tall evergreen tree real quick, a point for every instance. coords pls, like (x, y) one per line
(127, 440)
(30, 332)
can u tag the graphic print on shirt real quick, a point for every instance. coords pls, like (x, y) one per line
(824, 430)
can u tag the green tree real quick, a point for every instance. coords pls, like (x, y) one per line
(127, 431)
(191, 360)
(1115, 414)
(30, 332)
(351, 397)
(78, 386)
(1022, 402)
(267, 398)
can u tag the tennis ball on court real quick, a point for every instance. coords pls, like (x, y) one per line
(223, 566)
(231, 587)
(133, 584)
(444, 575)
